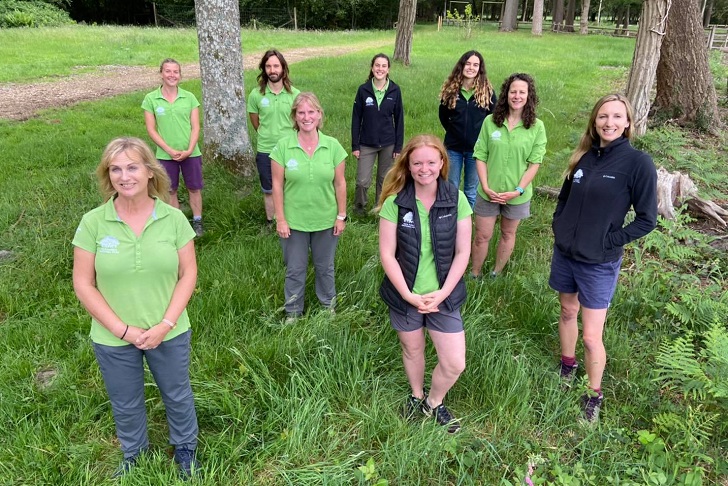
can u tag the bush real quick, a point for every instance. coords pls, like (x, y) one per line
(15, 13)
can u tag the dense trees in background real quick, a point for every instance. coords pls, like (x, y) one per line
(362, 14)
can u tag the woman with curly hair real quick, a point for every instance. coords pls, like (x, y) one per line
(466, 98)
(508, 153)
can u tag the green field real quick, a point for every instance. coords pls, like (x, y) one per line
(317, 402)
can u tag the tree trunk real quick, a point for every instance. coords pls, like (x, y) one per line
(708, 13)
(685, 89)
(569, 21)
(558, 16)
(644, 62)
(223, 91)
(405, 29)
(510, 16)
(584, 18)
(537, 26)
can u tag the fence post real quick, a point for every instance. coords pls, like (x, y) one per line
(711, 36)
(295, 19)
(154, 11)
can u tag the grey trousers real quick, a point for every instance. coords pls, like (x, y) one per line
(367, 156)
(295, 256)
(122, 368)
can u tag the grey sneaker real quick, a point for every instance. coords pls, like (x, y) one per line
(197, 226)
(591, 404)
(186, 459)
(567, 374)
(442, 416)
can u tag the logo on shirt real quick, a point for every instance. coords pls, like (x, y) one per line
(408, 220)
(495, 135)
(448, 215)
(265, 102)
(292, 164)
(605, 176)
(369, 101)
(160, 110)
(577, 176)
(109, 244)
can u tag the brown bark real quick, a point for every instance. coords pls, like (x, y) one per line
(685, 89)
(584, 18)
(510, 16)
(644, 62)
(570, 12)
(537, 25)
(405, 30)
(558, 16)
(223, 89)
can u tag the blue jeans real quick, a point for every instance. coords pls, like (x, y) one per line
(471, 174)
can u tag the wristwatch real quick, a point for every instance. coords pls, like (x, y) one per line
(520, 190)
(342, 217)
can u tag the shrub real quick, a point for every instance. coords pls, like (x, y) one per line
(18, 13)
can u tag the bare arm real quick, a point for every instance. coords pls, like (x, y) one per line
(254, 120)
(194, 133)
(526, 179)
(84, 284)
(340, 190)
(387, 249)
(482, 169)
(278, 174)
(151, 124)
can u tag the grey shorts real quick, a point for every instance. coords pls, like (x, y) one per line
(443, 321)
(487, 209)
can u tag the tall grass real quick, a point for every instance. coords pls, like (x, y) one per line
(310, 403)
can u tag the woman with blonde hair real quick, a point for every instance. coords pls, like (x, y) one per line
(134, 271)
(466, 98)
(605, 178)
(424, 245)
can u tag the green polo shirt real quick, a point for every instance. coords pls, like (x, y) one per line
(379, 93)
(173, 119)
(274, 114)
(309, 198)
(467, 93)
(135, 275)
(507, 155)
(426, 278)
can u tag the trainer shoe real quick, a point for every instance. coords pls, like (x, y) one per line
(186, 459)
(442, 416)
(591, 404)
(197, 226)
(127, 464)
(568, 373)
(413, 405)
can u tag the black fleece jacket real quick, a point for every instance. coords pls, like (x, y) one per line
(462, 124)
(377, 126)
(588, 222)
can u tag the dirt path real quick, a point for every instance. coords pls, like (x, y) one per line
(24, 101)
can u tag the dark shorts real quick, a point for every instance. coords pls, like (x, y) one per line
(487, 209)
(443, 321)
(262, 161)
(191, 169)
(594, 282)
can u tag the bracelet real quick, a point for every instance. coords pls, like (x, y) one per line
(520, 190)
(125, 331)
(169, 323)
(340, 217)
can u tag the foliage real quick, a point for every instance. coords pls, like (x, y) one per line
(19, 13)
(465, 20)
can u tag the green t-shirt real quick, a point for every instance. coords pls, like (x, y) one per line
(309, 198)
(173, 119)
(426, 278)
(507, 155)
(135, 275)
(379, 93)
(467, 94)
(274, 114)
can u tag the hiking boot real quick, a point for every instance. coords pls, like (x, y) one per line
(568, 374)
(197, 226)
(591, 404)
(442, 416)
(186, 460)
(413, 405)
(127, 464)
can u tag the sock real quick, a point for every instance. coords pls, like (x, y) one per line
(196, 218)
(598, 391)
(568, 360)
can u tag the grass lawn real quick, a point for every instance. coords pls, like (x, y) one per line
(318, 402)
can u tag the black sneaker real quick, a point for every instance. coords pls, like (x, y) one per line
(126, 465)
(567, 374)
(186, 459)
(197, 226)
(442, 416)
(591, 404)
(413, 406)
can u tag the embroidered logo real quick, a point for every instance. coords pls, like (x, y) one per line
(495, 135)
(109, 244)
(605, 176)
(577, 176)
(160, 110)
(408, 220)
(264, 102)
(369, 101)
(448, 215)
(292, 164)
